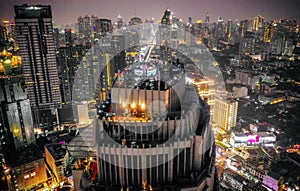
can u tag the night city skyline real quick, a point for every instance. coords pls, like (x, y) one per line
(66, 12)
(161, 95)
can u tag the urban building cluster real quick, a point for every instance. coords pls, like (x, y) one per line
(112, 105)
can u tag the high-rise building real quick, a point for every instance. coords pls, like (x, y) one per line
(16, 125)
(93, 23)
(219, 33)
(225, 113)
(57, 158)
(166, 19)
(165, 35)
(249, 44)
(207, 18)
(119, 22)
(206, 24)
(244, 27)
(2, 38)
(85, 86)
(255, 24)
(80, 25)
(103, 26)
(267, 32)
(10, 34)
(56, 36)
(118, 52)
(68, 37)
(35, 38)
(68, 60)
(24, 162)
(86, 24)
(135, 21)
(155, 148)
(260, 21)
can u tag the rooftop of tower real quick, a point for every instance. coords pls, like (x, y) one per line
(149, 76)
(10, 65)
(33, 11)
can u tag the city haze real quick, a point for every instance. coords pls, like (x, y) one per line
(67, 12)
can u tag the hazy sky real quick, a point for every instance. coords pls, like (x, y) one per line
(67, 11)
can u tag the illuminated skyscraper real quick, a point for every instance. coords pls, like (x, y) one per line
(147, 143)
(244, 24)
(225, 113)
(68, 37)
(35, 39)
(86, 24)
(165, 35)
(260, 21)
(255, 24)
(267, 33)
(206, 24)
(220, 29)
(93, 24)
(118, 46)
(68, 59)
(166, 19)
(119, 22)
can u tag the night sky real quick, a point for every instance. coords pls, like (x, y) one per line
(67, 11)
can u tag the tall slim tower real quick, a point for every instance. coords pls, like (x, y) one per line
(35, 39)
(80, 25)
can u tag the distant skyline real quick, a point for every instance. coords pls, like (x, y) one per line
(67, 11)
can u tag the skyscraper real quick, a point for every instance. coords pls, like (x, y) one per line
(155, 148)
(35, 38)
(220, 29)
(80, 25)
(16, 127)
(87, 26)
(68, 37)
(255, 24)
(267, 32)
(119, 22)
(166, 19)
(206, 18)
(103, 26)
(135, 21)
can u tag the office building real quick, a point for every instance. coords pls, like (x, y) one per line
(35, 39)
(135, 21)
(119, 22)
(27, 169)
(16, 125)
(68, 59)
(118, 52)
(102, 27)
(225, 113)
(80, 25)
(57, 158)
(255, 24)
(219, 32)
